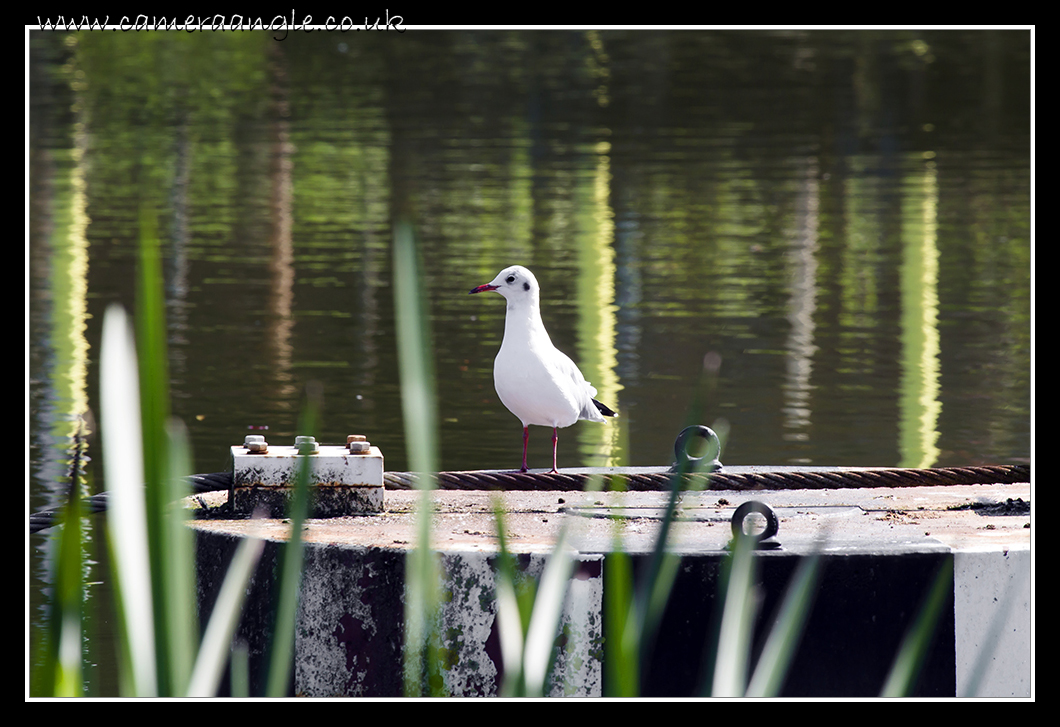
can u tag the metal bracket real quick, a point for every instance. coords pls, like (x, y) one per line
(710, 462)
(764, 540)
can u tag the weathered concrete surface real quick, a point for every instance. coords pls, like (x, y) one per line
(868, 518)
(349, 632)
(350, 620)
(992, 616)
(349, 638)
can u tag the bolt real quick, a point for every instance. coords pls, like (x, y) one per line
(358, 444)
(306, 445)
(255, 443)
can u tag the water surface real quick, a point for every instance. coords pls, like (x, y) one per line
(840, 218)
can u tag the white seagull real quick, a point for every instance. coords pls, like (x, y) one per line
(536, 381)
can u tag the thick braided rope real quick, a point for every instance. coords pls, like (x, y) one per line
(645, 482)
(784, 480)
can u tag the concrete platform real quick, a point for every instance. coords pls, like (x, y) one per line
(881, 550)
(871, 519)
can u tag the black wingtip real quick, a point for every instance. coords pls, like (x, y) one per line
(604, 409)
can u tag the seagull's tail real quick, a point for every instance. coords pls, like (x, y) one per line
(603, 409)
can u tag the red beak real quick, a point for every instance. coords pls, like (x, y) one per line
(483, 288)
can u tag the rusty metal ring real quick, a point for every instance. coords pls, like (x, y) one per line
(772, 521)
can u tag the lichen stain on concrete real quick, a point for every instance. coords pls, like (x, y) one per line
(578, 670)
(349, 623)
(467, 618)
(469, 626)
(349, 637)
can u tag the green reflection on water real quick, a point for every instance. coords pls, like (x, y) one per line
(919, 388)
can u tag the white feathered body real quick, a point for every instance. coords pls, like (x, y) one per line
(536, 381)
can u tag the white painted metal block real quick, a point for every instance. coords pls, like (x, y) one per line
(341, 483)
(332, 465)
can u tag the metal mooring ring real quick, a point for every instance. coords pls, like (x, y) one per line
(772, 521)
(708, 462)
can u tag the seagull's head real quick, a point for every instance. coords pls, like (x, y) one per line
(516, 283)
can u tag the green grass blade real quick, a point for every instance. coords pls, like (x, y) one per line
(663, 565)
(179, 563)
(154, 405)
(648, 603)
(58, 670)
(509, 620)
(734, 636)
(621, 642)
(783, 638)
(65, 636)
(416, 362)
(910, 658)
(240, 671)
(216, 642)
(548, 610)
(654, 590)
(282, 658)
(419, 409)
(127, 516)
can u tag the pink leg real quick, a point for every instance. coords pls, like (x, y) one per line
(526, 438)
(555, 440)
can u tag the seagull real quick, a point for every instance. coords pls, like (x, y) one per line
(536, 381)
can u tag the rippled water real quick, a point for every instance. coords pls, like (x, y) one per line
(842, 218)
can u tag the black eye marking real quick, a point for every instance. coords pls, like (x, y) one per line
(510, 279)
(526, 286)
